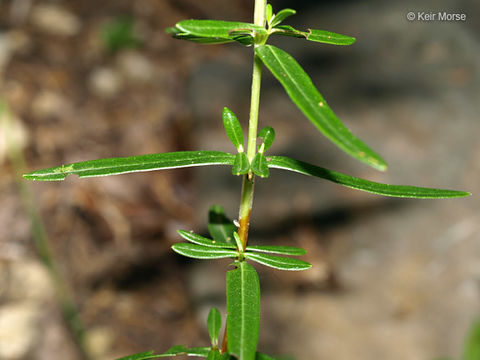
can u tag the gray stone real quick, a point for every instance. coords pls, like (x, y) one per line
(55, 20)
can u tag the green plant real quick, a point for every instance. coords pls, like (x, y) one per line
(120, 34)
(471, 346)
(229, 239)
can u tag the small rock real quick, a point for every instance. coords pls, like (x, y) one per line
(99, 342)
(12, 134)
(55, 20)
(48, 104)
(135, 67)
(18, 329)
(105, 82)
(29, 280)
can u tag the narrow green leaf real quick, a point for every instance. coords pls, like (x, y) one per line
(207, 40)
(182, 350)
(215, 28)
(282, 250)
(326, 37)
(259, 165)
(269, 13)
(287, 30)
(123, 165)
(261, 356)
(268, 136)
(202, 252)
(278, 262)
(243, 307)
(241, 165)
(197, 351)
(173, 351)
(472, 344)
(233, 128)
(404, 191)
(220, 227)
(281, 16)
(200, 240)
(214, 323)
(303, 93)
(238, 242)
(139, 356)
(173, 30)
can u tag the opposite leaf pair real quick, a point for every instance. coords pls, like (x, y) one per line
(241, 164)
(204, 248)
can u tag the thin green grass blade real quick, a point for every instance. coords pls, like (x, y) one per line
(281, 250)
(403, 191)
(303, 93)
(243, 308)
(123, 165)
(202, 252)
(200, 240)
(281, 16)
(220, 227)
(278, 262)
(214, 323)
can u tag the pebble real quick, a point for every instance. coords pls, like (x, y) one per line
(105, 82)
(29, 280)
(48, 104)
(54, 20)
(12, 132)
(135, 67)
(18, 329)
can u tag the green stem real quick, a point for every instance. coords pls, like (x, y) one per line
(246, 202)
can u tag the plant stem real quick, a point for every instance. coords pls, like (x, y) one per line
(249, 180)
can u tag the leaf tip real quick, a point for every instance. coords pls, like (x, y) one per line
(376, 162)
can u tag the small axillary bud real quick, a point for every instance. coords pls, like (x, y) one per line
(240, 148)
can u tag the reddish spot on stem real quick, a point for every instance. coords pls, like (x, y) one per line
(224, 348)
(243, 230)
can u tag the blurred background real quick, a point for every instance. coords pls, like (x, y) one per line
(391, 279)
